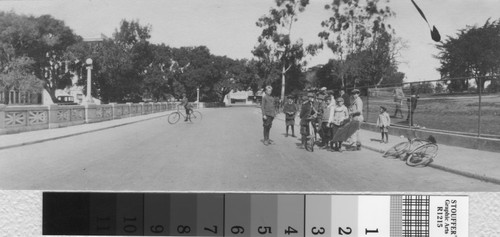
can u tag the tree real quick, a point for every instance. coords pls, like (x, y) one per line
(354, 27)
(226, 76)
(379, 64)
(43, 39)
(266, 65)
(375, 65)
(192, 70)
(327, 76)
(253, 78)
(275, 45)
(423, 88)
(440, 88)
(474, 52)
(156, 85)
(18, 75)
(120, 63)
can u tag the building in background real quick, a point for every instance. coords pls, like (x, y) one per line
(243, 97)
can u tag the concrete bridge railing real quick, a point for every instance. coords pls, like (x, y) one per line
(15, 119)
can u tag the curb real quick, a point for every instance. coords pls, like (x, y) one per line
(78, 133)
(447, 169)
(483, 178)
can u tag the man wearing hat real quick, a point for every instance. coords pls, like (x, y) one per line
(317, 103)
(325, 130)
(322, 91)
(268, 113)
(356, 111)
(290, 111)
(306, 111)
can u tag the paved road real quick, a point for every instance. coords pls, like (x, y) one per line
(222, 153)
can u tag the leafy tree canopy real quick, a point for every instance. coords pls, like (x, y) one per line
(353, 28)
(474, 52)
(43, 39)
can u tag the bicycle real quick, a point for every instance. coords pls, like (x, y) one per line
(416, 151)
(311, 139)
(193, 116)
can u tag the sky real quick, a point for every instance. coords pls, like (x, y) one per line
(227, 27)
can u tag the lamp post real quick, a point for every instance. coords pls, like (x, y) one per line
(198, 95)
(89, 62)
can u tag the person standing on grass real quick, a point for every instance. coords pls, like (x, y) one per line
(412, 106)
(290, 111)
(383, 122)
(398, 101)
(339, 115)
(356, 111)
(268, 113)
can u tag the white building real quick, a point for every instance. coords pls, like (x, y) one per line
(243, 97)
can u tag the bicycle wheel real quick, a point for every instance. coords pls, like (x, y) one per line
(422, 155)
(397, 150)
(195, 116)
(174, 117)
(416, 142)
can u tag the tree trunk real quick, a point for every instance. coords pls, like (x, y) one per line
(224, 93)
(6, 96)
(480, 84)
(52, 93)
(283, 83)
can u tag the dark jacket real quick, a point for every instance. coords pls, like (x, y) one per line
(267, 106)
(290, 110)
(413, 102)
(305, 112)
(347, 99)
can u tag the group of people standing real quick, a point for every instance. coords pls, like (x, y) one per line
(334, 120)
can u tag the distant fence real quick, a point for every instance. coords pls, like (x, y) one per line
(15, 97)
(14, 119)
(453, 105)
(211, 104)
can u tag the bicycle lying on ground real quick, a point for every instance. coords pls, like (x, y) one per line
(416, 152)
(193, 116)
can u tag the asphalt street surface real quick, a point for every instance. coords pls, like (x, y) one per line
(222, 153)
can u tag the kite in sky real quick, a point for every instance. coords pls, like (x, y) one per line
(434, 32)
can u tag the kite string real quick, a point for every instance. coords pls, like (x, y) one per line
(421, 13)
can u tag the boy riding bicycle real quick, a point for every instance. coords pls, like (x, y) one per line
(187, 106)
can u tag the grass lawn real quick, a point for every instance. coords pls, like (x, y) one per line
(450, 113)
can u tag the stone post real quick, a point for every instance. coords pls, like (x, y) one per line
(53, 121)
(2, 116)
(114, 109)
(90, 113)
(141, 106)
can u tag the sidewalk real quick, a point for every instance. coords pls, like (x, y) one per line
(482, 165)
(472, 163)
(26, 138)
